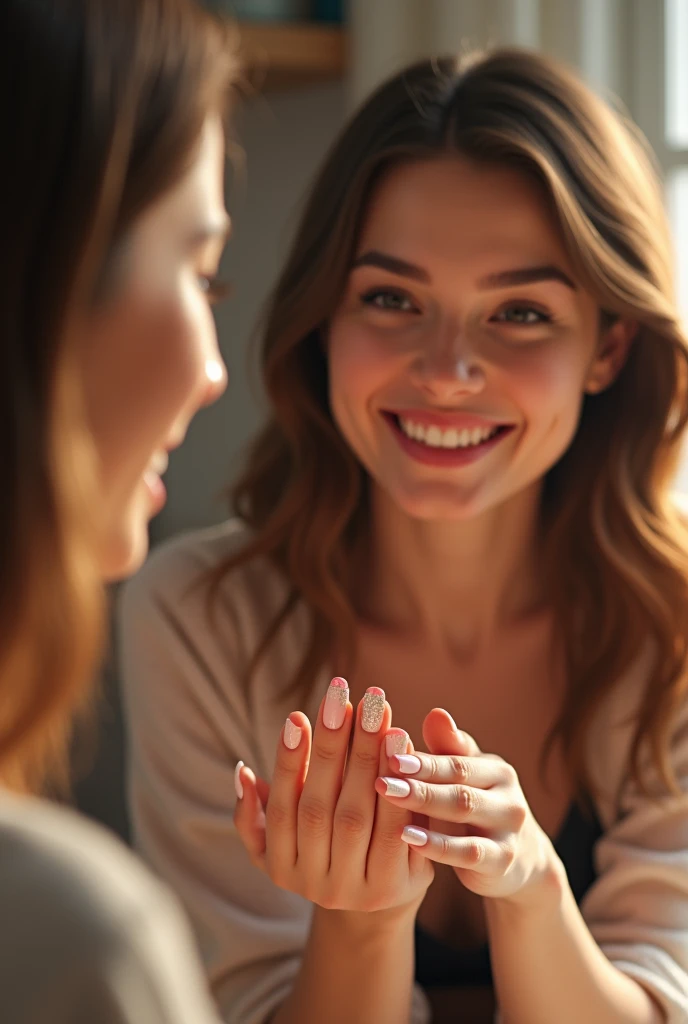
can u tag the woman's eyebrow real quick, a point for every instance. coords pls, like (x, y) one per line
(375, 258)
(526, 275)
(501, 279)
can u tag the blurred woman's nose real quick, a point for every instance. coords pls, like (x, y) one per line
(448, 368)
(215, 379)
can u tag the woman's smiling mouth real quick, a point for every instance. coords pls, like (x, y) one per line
(447, 440)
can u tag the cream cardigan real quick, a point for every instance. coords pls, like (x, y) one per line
(190, 721)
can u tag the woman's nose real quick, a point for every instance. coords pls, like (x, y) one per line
(448, 369)
(214, 381)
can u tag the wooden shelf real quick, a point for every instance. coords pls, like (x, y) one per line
(288, 55)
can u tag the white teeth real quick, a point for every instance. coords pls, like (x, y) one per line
(435, 437)
(159, 463)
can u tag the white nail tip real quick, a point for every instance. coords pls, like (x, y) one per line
(292, 735)
(237, 780)
(397, 787)
(414, 836)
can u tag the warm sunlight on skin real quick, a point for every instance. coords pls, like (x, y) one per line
(152, 359)
(463, 314)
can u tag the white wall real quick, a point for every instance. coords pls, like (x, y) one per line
(284, 137)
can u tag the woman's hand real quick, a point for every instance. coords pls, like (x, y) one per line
(322, 832)
(493, 842)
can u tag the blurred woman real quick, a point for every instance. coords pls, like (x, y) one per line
(114, 225)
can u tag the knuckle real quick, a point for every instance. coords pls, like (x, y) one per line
(323, 752)
(444, 847)
(314, 817)
(510, 774)
(422, 793)
(433, 769)
(350, 824)
(461, 768)
(388, 843)
(278, 816)
(519, 813)
(508, 854)
(465, 799)
(365, 760)
(474, 852)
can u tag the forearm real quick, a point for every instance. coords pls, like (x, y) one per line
(547, 967)
(353, 970)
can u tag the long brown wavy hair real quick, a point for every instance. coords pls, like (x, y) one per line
(108, 103)
(615, 548)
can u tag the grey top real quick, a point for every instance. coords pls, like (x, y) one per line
(86, 935)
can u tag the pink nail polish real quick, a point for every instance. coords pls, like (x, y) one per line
(397, 787)
(396, 742)
(237, 780)
(336, 699)
(414, 836)
(291, 735)
(408, 764)
(373, 709)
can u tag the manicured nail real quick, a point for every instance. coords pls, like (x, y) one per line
(414, 836)
(373, 709)
(396, 742)
(237, 780)
(336, 700)
(407, 764)
(291, 735)
(396, 787)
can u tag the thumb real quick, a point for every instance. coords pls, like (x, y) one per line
(442, 736)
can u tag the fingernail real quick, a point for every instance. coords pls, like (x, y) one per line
(373, 709)
(414, 836)
(291, 735)
(408, 764)
(237, 780)
(396, 742)
(396, 787)
(336, 700)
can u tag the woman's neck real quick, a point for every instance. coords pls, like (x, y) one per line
(456, 582)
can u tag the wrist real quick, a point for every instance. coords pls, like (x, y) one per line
(542, 893)
(363, 926)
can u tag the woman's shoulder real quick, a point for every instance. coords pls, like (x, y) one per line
(86, 932)
(67, 875)
(181, 571)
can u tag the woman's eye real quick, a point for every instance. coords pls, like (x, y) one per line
(214, 288)
(522, 316)
(386, 299)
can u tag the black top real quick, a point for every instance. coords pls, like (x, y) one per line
(440, 966)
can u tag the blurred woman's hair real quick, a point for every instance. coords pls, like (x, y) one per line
(616, 550)
(108, 100)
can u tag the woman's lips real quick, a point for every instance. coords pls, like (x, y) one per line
(469, 437)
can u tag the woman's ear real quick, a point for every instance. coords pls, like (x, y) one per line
(611, 355)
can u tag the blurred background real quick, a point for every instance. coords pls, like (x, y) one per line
(313, 61)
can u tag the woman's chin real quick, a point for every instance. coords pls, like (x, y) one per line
(127, 545)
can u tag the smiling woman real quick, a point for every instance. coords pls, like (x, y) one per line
(477, 381)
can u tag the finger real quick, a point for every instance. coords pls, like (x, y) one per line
(324, 779)
(355, 811)
(249, 814)
(442, 736)
(479, 772)
(385, 850)
(291, 763)
(469, 853)
(479, 808)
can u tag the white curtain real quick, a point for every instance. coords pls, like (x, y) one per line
(592, 35)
